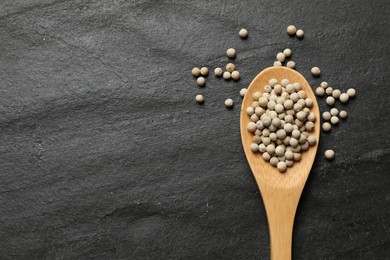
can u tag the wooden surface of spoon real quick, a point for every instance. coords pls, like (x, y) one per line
(280, 191)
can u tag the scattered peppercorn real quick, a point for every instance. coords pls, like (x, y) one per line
(201, 81)
(300, 33)
(243, 92)
(204, 71)
(280, 56)
(344, 97)
(228, 102)
(230, 67)
(291, 64)
(231, 53)
(351, 92)
(291, 30)
(277, 63)
(343, 114)
(195, 72)
(243, 33)
(329, 154)
(199, 98)
(218, 72)
(226, 75)
(235, 75)
(315, 71)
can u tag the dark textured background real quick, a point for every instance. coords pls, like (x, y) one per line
(104, 154)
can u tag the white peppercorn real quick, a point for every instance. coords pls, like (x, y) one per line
(351, 92)
(256, 95)
(297, 86)
(230, 67)
(228, 102)
(277, 64)
(278, 90)
(280, 56)
(250, 111)
(305, 146)
(344, 97)
(279, 108)
(251, 126)
(309, 102)
(274, 161)
(218, 72)
(243, 92)
(311, 140)
(226, 75)
(254, 147)
(291, 64)
(288, 128)
(287, 52)
(311, 117)
(290, 88)
(235, 75)
(195, 72)
(334, 111)
(255, 104)
(324, 84)
(243, 33)
(289, 163)
(270, 148)
(297, 156)
(336, 93)
(282, 166)
(329, 91)
(201, 81)
(262, 148)
(334, 120)
(263, 102)
(330, 101)
(300, 33)
(231, 53)
(267, 89)
(293, 142)
(266, 140)
(273, 136)
(294, 97)
(259, 125)
(204, 71)
(296, 134)
(329, 154)
(343, 114)
(320, 91)
(309, 126)
(254, 117)
(266, 121)
(199, 98)
(291, 30)
(315, 71)
(301, 115)
(284, 82)
(273, 82)
(266, 156)
(326, 127)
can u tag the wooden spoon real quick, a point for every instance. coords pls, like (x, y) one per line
(280, 191)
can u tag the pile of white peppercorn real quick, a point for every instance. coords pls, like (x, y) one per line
(281, 120)
(330, 117)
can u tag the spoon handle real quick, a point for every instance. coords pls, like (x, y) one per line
(280, 207)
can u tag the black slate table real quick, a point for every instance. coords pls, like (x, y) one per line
(104, 153)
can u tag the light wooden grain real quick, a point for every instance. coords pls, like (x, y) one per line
(280, 191)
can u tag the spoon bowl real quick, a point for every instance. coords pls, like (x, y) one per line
(280, 191)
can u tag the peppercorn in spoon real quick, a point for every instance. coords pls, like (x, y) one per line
(280, 191)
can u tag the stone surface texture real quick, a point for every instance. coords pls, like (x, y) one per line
(104, 153)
